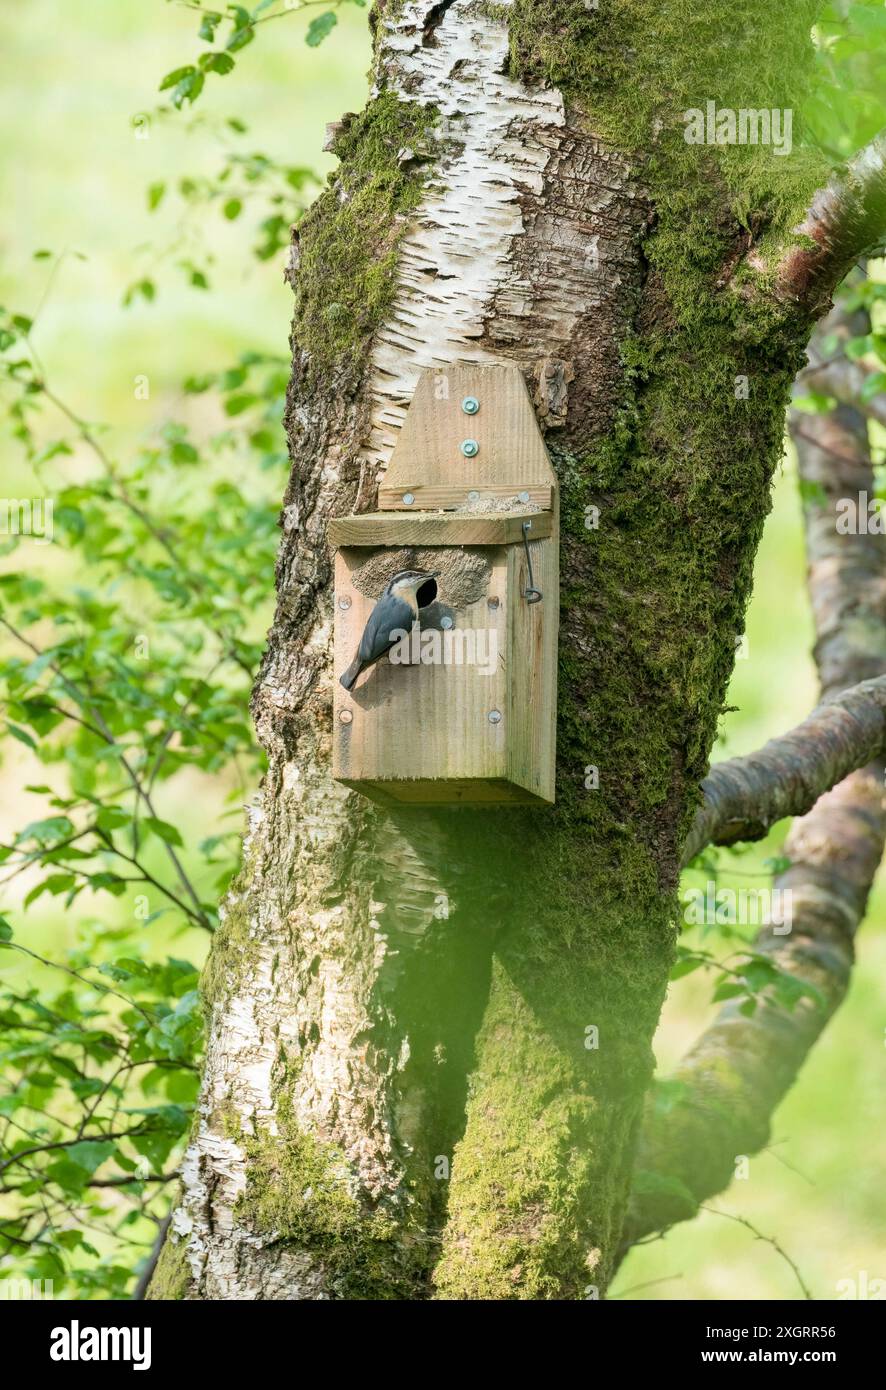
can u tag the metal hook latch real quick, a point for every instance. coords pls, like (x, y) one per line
(530, 593)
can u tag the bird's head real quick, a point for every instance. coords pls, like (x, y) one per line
(407, 583)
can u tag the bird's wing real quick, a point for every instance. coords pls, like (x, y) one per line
(376, 637)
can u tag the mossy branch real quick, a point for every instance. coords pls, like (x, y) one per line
(846, 221)
(743, 797)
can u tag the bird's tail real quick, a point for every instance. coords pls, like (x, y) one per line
(348, 677)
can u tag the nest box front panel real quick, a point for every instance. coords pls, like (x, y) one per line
(434, 714)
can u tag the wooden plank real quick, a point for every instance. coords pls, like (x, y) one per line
(439, 495)
(532, 685)
(413, 723)
(469, 793)
(511, 452)
(430, 528)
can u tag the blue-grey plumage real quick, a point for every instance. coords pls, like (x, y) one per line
(395, 612)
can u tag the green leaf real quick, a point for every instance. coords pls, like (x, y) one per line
(177, 75)
(728, 989)
(90, 1154)
(240, 38)
(875, 385)
(183, 452)
(22, 735)
(814, 403)
(320, 28)
(859, 347)
(163, 830)
(232, 209)
(208, 25)
(222, 63)
(758, 972)
(685, 966)
(235, 405)
(155, 195)
(112, 818)
(47, 831)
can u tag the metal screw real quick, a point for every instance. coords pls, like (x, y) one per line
(524, 496)
(446, 622)
(469, 448)
(473, 497)
(470, 405)
(494, 716)
(346, 716)
(492, 602)
(408, 499)
(344, 601)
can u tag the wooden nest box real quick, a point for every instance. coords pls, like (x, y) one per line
(465, 710)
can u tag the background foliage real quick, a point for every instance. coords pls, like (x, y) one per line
(143, 369)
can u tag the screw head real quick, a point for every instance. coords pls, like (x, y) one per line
(408, 499)
(446, 622)
(345, 716)
(470, 405)
(524, 496)
(344, 601)
(473, 497)
(494, 716)
(492, 602)
(470, 448)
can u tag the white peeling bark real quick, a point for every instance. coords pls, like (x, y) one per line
(523, 230)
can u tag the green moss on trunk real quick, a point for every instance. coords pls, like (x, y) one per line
(299, 1190)
(172, 1276)
(348, 241)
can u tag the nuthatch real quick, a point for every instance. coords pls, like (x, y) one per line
(395, 612)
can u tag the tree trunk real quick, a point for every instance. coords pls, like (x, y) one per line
(430, 1030)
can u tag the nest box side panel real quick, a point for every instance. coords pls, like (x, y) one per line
(421, 729)
(532, 687)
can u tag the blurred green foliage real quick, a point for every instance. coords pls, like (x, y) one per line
(129, 653)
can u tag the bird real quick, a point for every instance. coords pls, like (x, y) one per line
(395, 612)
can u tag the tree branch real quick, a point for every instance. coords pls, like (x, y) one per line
(730, 1084)
(847, 220)
(745, 796)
